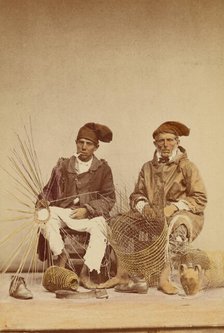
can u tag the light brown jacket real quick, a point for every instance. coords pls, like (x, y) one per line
(176, 180)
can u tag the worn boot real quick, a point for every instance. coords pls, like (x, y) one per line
(135, 284)
(18, 288)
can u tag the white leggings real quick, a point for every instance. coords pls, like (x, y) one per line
(96, 227)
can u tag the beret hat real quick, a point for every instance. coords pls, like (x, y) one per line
(173, 127)
(95, 132)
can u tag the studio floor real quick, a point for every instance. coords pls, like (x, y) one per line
(152, 312)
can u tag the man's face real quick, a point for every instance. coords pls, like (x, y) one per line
(166, 143)
(86, 149)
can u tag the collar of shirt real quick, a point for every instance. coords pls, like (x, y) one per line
(82, 166)
(173, 155)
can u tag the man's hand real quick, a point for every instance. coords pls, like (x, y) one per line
(170, 210)
(79, 213)
(148, 212)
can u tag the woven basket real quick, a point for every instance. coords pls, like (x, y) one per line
(59, 278)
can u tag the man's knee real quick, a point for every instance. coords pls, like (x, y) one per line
(180, 233)
(98, 225)
(180, 226)
(98, 221)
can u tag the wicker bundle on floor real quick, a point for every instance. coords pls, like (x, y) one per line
(193, 257)
(140, 244)
(210, 268)
(59, 278)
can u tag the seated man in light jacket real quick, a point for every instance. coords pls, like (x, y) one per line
(170, 179)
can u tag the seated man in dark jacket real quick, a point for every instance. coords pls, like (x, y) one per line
(80, 195)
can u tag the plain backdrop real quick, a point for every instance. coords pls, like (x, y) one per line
(129, 64)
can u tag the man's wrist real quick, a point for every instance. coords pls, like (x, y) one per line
(181, 205)
(90, 211)
(175, 207)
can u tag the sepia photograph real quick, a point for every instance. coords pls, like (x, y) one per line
(111, 174)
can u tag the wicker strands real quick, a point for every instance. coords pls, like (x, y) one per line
(59, 278)
(139, 244)
(193, 257)
(215, 274)
(211, 263)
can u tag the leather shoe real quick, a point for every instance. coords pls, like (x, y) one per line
(134, 285)
(18, 288)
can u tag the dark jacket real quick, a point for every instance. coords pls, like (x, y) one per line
(94, 188)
